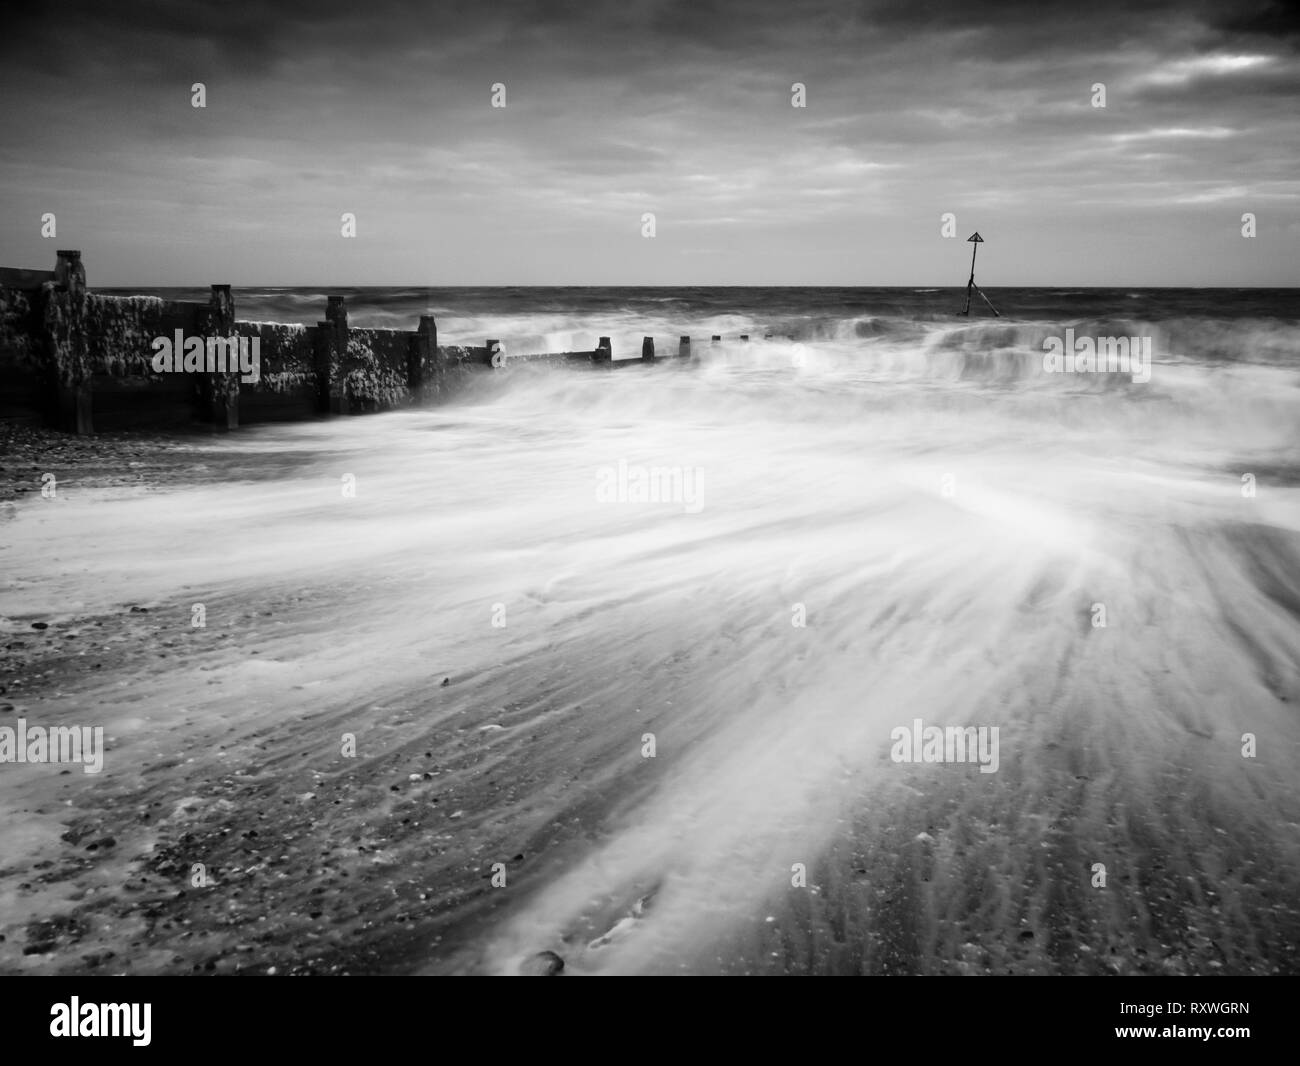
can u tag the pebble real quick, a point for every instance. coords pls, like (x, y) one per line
(543, 964)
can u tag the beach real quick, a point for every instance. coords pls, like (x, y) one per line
(463, 693)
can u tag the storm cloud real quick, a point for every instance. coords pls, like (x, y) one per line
(682, 109)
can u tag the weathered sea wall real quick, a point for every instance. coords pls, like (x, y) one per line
(23, 386)
(81, 361)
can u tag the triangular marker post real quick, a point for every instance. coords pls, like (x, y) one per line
(976, 240)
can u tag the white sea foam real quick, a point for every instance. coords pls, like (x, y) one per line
(946, 514)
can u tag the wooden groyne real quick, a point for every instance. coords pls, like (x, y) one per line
(77, 360)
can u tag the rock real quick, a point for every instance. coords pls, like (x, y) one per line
(446, 681)
(543, 964)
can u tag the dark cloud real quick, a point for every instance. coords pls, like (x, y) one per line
(681, 106)
(1277, 20)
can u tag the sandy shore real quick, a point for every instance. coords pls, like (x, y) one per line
(122, 460)
(308, 870)
(384, 863)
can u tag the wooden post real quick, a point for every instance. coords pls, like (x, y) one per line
(717, 338)
(745, 337)
(336, 314)
(684, 348)
(333, 347)
(69, 274)
(65, 328)
(648, 350)
(423, 370)
(221, 390)
(604, 354)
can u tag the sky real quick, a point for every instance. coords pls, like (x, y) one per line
(681, 109)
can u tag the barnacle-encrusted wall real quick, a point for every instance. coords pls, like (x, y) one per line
(375, 369)
(120, 331)
(286, 356)
(24, 379)
(62, 347)
(456, 363)
(20, 320)
(66, 344)
(287, 387)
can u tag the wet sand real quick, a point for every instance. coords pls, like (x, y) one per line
(320, 870)
(522, 746)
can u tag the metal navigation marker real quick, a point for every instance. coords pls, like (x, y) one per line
(976, 240)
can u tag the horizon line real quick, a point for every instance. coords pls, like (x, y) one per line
(685, 285)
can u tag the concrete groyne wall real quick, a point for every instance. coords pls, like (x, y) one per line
(80, 361)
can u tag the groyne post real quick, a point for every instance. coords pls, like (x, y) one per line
(331, 347)
(603, 356)
(648, 350)
(69, 273)
(684, 348)
(423, 370)
(66, 344)
(221, 389)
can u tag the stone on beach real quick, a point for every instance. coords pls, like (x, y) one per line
(543, 964)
